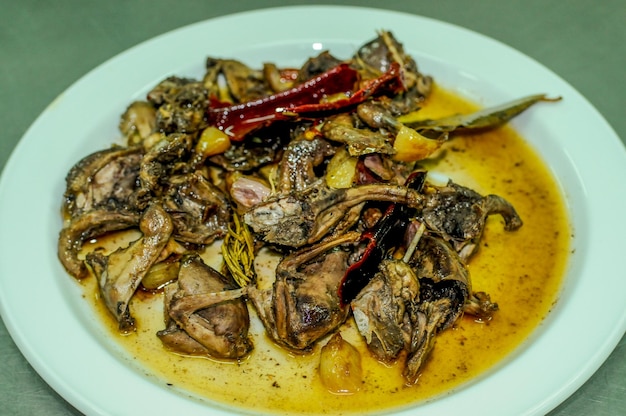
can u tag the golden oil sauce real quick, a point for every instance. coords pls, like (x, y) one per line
(521, 270)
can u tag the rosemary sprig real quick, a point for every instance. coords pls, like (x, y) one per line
(238, 252)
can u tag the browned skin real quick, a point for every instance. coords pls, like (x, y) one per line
(382, 309)
(296, 168)
(441, 273)
(358, 141)
(173, 337)
(159, 163)
(180, 105)
(317, 65)
(303, 305)
(91, 224)
(99, 198)
(102, 180)
(120, 273)
(199, 210)
(376, 56)
(459, 214)
(405, 305)
(205, 315)
(300, 218)
(479, 305)
(445, 286)
(243, 83)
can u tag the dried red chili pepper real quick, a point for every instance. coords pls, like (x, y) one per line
(303, 100)
(379, 240)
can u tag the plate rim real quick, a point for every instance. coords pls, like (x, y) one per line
(83, 403)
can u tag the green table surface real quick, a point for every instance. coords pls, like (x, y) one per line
(47, 45)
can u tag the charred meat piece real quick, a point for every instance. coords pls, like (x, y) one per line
(480, 306)
(200, 211)
(181, 105)
(205, 314)
(103, 180)
(279, 79)
(375, 168)
(89, 225)
(120, 273)
(379, 241)
(426, 320)
(299, 218)
(359, 141)
(383, 309)
(296, 168)
(248, 155)
(376, 116)
(377, 56)
(458, 214)
(138, 122)
(164, 159)
(316, 66)
(303, 304)
(442, 275)
(242, 82)
(173, 337)
(445, 287)
(406, 305)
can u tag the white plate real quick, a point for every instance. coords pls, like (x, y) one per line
(59, 335)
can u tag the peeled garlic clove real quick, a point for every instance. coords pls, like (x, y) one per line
(340, 366)
(411, 146)
(212, 142)
(341, 169)
(160, 274)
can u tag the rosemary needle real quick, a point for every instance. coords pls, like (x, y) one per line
(238, 252)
